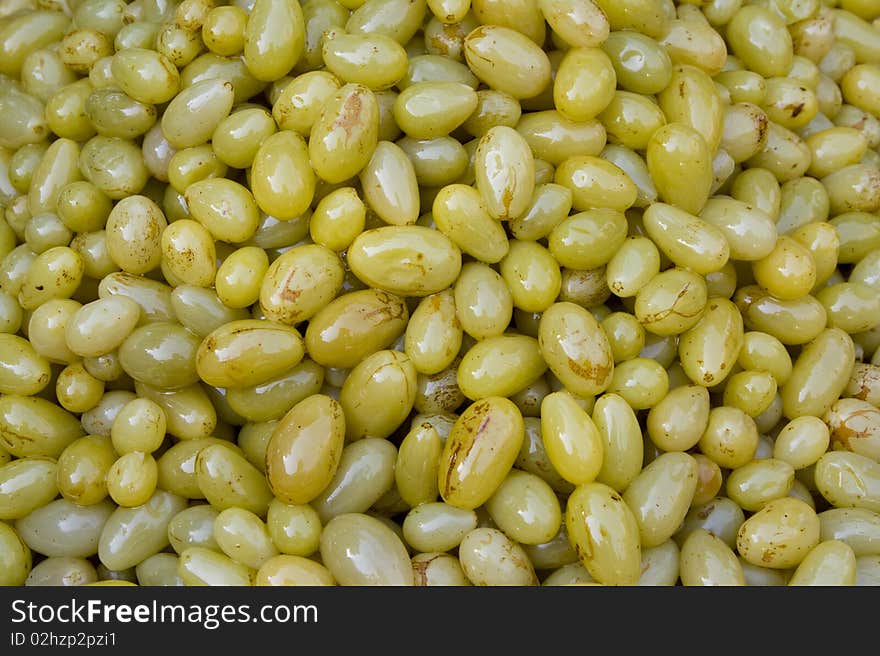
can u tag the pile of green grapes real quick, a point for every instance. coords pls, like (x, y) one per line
(439, 292)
